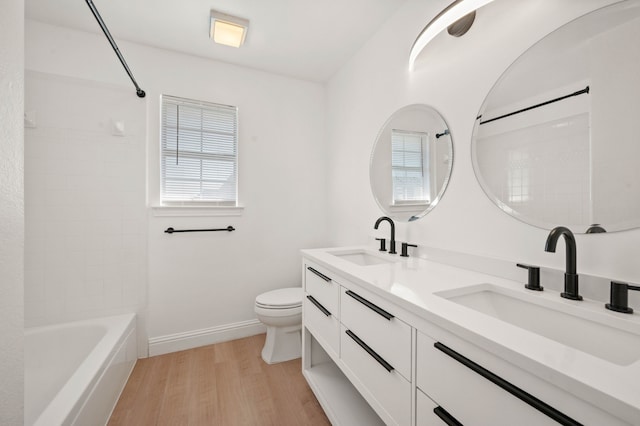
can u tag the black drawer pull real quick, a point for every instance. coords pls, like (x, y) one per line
(319, 306)
(377, 309)
(446, 417)
(321, 275)
(370, 351)
(524, 396)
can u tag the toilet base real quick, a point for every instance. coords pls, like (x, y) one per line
(282, 344)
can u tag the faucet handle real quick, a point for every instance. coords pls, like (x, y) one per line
(620, 297)
(534, 277)
(405, 249)
(383, 244)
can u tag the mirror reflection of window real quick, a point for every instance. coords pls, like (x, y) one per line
(410, 167)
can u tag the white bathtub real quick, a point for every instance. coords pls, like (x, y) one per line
(75, 372)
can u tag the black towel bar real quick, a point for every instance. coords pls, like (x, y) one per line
(171, 230)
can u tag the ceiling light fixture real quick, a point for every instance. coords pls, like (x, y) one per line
(449, 17)
(228, 30)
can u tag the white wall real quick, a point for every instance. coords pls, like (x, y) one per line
(454, 76)
(199, 283)
(616, 106)
(86, 222)
(11, 212)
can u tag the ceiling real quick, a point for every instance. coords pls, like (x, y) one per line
(306, 39)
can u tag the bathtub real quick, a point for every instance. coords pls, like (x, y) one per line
(75, 372)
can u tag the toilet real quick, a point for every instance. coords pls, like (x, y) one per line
(281, 311)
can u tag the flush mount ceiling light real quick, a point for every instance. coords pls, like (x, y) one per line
(228, 30)
(458, 17)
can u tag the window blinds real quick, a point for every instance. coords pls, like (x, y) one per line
(199, 151)
(408, 158)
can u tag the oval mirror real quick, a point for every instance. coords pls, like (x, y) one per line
(556, 141)
(411, 162)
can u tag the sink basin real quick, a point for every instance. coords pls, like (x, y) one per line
(599, 334)
(361, 257)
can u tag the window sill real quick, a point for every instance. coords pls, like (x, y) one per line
(196, 211)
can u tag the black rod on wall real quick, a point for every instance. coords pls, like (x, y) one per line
(561, 98)
(171, 230)
(106, 32)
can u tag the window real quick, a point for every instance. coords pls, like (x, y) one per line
(409, 167)
(199, 152)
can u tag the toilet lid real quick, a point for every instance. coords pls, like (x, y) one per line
(281, 298)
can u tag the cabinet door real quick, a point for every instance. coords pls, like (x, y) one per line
(320, 284)
(387, 391)
(469, 396)
(375, 321)
(321, 322)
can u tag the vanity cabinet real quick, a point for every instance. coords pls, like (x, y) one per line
(370, 360)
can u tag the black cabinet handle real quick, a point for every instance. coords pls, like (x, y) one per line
(321, 275)
(446, 417)
(370, 351)
(524, 396)
(377, 309)
(319, 306)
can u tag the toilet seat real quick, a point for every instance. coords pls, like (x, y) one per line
(283, 298)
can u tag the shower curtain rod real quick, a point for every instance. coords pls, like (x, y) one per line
(106, 32)
(579, 92)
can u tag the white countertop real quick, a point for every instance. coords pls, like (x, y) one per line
(411, 283)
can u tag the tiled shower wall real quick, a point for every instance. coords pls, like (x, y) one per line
(85, 242)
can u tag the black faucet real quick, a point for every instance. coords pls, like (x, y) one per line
(392, 242)
(595, 229)
(570, 276)
(620, 297)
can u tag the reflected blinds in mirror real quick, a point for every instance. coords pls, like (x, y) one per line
(409, 167)
(199, 151)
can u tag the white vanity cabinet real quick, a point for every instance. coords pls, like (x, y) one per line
(321, 349)
(371, 358)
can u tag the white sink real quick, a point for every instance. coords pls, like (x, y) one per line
(361, 257)
(597, 333)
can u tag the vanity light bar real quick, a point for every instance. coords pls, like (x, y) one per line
(448, 16)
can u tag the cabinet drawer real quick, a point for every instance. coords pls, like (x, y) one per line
(374, 322)
(428, 413)
(387, 391)
(325, 328)
(321, 286)
(466, 394)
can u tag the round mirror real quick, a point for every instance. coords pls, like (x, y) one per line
(411, 162)
(556, 141)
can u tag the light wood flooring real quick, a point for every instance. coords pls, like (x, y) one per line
(222, 384)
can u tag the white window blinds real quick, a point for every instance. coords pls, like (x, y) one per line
(409, 167)
(199, 152)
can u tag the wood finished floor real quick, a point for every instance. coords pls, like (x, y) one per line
(222, 384)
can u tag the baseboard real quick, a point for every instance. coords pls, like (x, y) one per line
(206, 336)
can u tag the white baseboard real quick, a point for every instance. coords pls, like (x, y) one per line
(206, 336)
